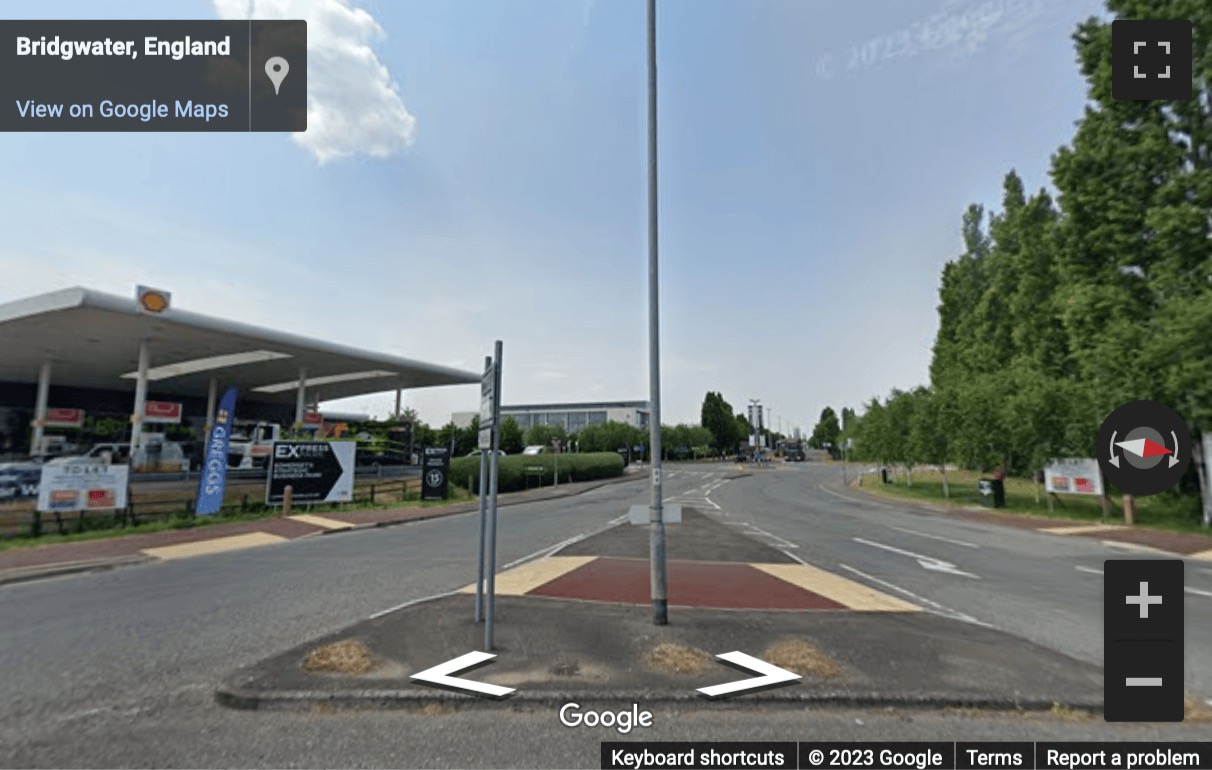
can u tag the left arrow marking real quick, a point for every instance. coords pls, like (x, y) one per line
(445, 676)
(769, 676)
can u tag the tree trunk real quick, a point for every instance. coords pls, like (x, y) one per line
(1129, 510)
(946, 489)
(908, 476)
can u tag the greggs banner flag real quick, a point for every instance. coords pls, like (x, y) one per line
(214, 468)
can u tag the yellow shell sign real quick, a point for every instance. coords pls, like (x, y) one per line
(152, 300)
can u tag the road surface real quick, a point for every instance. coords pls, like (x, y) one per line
(119, 668)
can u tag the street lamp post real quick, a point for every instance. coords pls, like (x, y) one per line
(656, 540)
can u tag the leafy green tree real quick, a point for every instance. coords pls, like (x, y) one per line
(512, 440)
(826, 432)
(542, 435)
(717, 417)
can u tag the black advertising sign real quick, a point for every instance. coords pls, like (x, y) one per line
(316, 471)
(435, 473)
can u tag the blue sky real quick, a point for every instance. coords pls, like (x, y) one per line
(477, 172)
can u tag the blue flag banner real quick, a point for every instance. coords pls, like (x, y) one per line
(214, 468)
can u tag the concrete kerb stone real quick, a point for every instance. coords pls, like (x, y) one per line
(355, 700)
(38, 572)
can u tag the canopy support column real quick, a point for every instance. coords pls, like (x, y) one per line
(136, 419)
(40, 404)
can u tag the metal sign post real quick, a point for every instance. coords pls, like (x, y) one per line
(485, 448)
(492, 506)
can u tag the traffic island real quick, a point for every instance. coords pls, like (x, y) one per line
(578, 627)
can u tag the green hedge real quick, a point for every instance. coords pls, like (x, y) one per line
(512, 475)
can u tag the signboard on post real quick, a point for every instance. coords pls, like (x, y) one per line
(316, 472)
(63, 418)
(82, 487)
(1074, 476)
(488, 398)
(162, 411)
(435, 472)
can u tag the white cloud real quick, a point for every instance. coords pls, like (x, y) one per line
(353, 107)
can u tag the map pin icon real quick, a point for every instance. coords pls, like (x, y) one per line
(276, 67)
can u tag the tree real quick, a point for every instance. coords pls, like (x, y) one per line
(716, 416)
(512, 440)
(542, 435)
(826, 432)
(930, 431)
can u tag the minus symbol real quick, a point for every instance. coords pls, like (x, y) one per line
(1144, 681)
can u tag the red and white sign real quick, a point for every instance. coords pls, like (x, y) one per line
(313, 418)
(64, 418)
(162, 411)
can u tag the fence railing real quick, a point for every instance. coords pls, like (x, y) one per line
(142, 508)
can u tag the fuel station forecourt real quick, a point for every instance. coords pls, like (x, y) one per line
(78, 349)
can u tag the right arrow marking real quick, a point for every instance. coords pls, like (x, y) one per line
(769, 676)
(443, 676)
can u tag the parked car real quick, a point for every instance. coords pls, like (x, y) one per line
(535, 449)
(118, 453)
(476, 453)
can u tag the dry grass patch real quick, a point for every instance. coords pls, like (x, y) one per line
(678, 659)
(802, 658)
(435, 709)
(346, 657)
(1069, 714)
(1196, 710)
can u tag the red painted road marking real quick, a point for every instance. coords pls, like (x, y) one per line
(717, 585)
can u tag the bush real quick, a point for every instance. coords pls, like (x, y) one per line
(511, 471)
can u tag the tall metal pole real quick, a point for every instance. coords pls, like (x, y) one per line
(656, 542)
(484, 453)
(494, 478)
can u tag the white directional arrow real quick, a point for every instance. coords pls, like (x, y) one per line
(770, 676)
(927, 562)
(934, 565)
(445, 675)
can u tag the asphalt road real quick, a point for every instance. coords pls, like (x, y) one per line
(118, 668)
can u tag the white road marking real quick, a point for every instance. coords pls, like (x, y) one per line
(850, 499)
(546, 551)
(1188, 589)
(935, 537)
(927, 562)
(781, 541)
(935, 607)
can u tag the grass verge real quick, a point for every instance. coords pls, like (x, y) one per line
(168, 522)
(1173, 512)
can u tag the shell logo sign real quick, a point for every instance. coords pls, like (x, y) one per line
(152, 300)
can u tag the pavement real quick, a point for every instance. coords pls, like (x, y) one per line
(119, 668)
(36, 562)
(577, 624)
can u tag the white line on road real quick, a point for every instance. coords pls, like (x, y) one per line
(927, 562)
(546, 551)
(933, 607)
(850, 499)
(781, 541)
(935, 537)
(1188, 589)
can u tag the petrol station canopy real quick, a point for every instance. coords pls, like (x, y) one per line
(91, 340)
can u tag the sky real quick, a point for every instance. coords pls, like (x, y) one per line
(475, 170)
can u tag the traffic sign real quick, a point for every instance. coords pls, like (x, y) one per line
(316, 471)
(435, 473)
(488, 395)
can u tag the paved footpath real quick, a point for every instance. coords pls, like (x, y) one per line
(20, 564)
